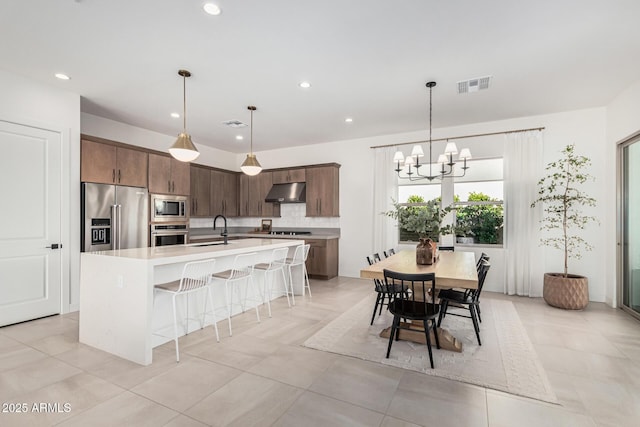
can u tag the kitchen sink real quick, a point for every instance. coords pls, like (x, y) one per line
(197, 245)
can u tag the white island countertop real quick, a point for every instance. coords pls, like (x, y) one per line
(118, 311)
(196, 251)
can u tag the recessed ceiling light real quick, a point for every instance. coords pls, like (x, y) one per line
(239, 137)
(62, 76)
(175, 115)
(305, 85)
(212, 9)
(348, 120)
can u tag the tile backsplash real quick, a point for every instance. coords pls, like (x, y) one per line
(291, 215)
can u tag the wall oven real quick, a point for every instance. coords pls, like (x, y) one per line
(169, 234)
(168, 208)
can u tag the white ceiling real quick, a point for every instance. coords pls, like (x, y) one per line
(366, 59)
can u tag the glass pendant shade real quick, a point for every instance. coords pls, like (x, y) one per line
(251, 166)
(183, 149)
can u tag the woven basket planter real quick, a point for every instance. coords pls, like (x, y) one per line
(571, 293)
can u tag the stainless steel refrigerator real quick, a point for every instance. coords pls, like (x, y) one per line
(114, 217)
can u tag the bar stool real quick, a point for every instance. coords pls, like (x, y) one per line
(195, 277)
(277, 264)
(241, 271)
(299, 259)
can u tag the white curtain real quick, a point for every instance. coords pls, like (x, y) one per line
(385, 188)
(523, 256)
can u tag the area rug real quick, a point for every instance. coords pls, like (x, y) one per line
(506, 361)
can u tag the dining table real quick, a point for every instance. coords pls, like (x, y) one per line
(453, 269)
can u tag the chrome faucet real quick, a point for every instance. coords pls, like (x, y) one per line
(224, 233)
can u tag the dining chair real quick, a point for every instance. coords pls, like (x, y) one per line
(483, 257)
(447, 248)
(388, 253)
(299, 259)
(276, 264)
(466, 300)
(419, 305)
(383, 292)
(376, 257)
(195, 277)
(240, 272)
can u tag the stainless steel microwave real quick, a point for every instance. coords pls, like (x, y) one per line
(168, 208)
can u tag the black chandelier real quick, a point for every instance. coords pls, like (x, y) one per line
(409, 167)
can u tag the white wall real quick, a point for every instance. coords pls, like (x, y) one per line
(595, 132)
(36, 104)
(585, 128)
(623, 120)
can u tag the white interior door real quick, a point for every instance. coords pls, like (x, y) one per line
(30, 264)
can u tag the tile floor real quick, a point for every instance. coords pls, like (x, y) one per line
(262, 376)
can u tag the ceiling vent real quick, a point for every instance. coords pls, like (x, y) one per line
(474, 85)
(235, 124)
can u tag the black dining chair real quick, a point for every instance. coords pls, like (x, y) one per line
(388, 253)
(483, 257)
(467, 300)
(384, 292)
(447, 248)
(418, 305)
(376, 257)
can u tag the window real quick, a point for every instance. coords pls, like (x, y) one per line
(477, 199)
(480, 218)
(415, 196)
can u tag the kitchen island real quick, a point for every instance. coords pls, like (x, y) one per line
(117, 312)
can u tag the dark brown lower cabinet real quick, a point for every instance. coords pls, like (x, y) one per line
(322, 261)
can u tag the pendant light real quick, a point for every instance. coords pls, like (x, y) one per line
(183, 149)
(251, 166)
(411, 169)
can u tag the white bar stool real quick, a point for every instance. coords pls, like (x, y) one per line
(277, 264)
(195, 277)
(242, 271)
(299, 259)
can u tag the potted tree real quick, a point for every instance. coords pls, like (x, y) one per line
(424, 220)
(562, 200)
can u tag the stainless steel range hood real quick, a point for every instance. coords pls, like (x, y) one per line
(287, 193)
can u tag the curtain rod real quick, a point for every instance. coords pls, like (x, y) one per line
(458, 137)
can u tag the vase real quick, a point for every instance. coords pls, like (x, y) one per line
(571, 292)
(426, 252)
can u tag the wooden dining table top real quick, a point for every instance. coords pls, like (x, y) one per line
(453, 269)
